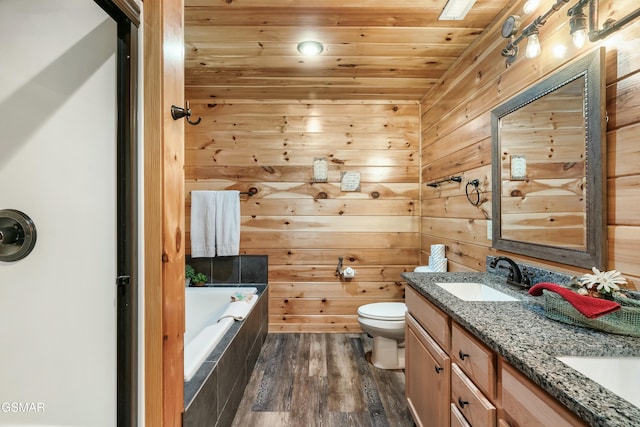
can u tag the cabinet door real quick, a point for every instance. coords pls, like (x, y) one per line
(428, 377)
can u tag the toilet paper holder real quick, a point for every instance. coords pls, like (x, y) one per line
(347, 273)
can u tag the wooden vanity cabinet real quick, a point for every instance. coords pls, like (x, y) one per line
(453, 379)
(526, 404)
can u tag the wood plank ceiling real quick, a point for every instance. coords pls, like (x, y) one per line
(373, 49)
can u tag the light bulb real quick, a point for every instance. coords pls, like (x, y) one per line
(530, 6)
(579, 37)
(310, 47)
(578, 26)
(533, 46)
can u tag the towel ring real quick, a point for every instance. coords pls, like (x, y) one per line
(475, 183)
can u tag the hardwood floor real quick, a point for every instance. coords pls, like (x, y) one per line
(303, 380)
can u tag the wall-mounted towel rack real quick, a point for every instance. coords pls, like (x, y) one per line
(252, 191)
(450, 179)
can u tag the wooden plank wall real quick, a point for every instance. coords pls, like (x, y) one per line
(456, 139)
(304, 226)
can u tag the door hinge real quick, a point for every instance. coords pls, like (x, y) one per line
(122, 280)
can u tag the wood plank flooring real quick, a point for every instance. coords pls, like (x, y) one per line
(305, 380)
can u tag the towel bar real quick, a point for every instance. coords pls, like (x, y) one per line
(251, 192)
(450, 179)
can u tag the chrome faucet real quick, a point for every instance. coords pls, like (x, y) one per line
(515, 276)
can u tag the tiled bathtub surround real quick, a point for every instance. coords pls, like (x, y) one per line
(240, 269)
(524, 337)
(214, 393)
(536, 274)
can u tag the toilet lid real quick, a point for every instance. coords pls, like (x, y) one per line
(383, 310)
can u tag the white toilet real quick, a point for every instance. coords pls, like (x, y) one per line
(384, 321)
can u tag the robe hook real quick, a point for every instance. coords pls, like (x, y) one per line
(178, 113)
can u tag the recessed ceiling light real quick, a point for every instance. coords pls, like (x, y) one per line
(456, 10)
(310, 47)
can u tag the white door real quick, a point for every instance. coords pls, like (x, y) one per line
(58, 165)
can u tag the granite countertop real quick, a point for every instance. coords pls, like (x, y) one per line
(524, 337)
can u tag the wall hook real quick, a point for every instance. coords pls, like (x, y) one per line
(178, 113)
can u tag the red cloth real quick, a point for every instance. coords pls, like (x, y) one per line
(590, 307)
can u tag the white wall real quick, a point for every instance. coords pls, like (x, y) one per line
(57, 164)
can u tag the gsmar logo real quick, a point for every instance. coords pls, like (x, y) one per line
(15, 407)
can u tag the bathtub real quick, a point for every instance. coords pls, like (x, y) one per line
(203, 308)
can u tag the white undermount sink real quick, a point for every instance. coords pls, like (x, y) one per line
(620, 375)
(475, 292)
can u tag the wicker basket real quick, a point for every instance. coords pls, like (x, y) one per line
(625, 321)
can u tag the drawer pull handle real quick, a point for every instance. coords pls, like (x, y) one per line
(461, 402)
(462, 355)
(439, 369)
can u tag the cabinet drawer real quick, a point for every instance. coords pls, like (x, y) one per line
(457, 419)
(475, 359)
(526, 404)
(429, 316)
(476, 408)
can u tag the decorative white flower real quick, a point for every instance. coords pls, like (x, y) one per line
(582, 291)
(605, 281)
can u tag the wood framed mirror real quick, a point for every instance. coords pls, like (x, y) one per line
(549, 167)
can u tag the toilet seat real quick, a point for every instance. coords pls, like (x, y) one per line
(390, 311)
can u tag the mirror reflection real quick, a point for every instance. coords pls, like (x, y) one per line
(542, 148)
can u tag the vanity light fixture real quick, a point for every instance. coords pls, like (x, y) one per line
(577, 27)
(310, 47)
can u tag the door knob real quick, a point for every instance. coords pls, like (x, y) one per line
(17, 235)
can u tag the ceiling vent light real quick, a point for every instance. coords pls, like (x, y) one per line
(530, 6)
(310, 48)
(456, 10)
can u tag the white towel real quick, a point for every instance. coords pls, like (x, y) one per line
(228, 223)
(238, 310)
(215, 223)
(203, 223)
